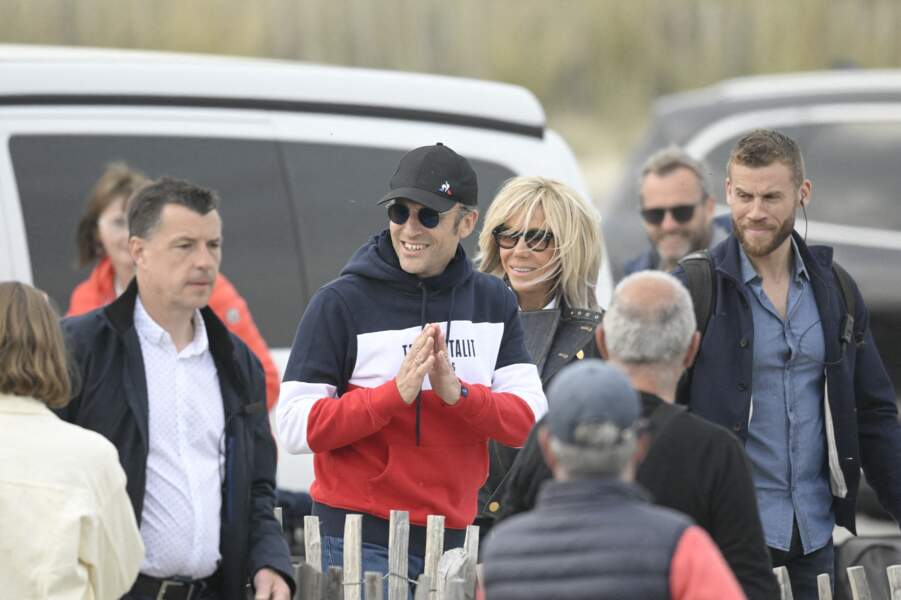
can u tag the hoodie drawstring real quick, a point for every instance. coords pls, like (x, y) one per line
(422, 324)
(447, 331)
(450, 314)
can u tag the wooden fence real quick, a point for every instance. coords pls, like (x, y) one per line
(447, 575)
(451, 575)
(857, 577)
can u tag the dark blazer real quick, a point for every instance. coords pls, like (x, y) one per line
(860, 399)
(113, 402)
(552, 343)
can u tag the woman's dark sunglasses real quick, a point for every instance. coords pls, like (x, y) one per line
(681, 214)
(428, 217)
(537, 240)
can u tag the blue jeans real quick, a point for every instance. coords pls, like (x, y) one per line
(374, 558)
(804, 568)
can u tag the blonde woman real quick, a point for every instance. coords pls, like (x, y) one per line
(545, 241)
(68, 528)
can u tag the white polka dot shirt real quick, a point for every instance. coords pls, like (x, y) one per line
(182, 502)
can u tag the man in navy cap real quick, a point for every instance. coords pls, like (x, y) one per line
(405, 366)
(593, 533)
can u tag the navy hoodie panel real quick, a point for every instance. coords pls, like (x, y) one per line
(374, 294)
(324, 348)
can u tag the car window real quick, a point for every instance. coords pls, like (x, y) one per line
(853, 168)
(855, 174)
(336, 189)
(55, 173)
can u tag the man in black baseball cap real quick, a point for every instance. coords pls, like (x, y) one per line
(431, 184)
(404, 367)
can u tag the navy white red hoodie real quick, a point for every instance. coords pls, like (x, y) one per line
(338, 400)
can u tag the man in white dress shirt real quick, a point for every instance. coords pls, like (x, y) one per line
(183, 400)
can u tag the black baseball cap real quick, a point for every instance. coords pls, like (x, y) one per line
(434, 176)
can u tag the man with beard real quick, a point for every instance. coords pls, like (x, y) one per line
(791, 368)
(677, 209)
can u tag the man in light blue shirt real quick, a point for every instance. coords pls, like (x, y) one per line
(788, 363)
(786, 433)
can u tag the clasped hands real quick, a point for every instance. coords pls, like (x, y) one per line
(428, 356)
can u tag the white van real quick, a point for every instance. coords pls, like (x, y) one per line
(299, 154)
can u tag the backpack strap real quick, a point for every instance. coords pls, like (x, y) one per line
(846, 285)
(698, 268)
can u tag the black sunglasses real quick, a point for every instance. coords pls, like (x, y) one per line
(537, 240)
(428, 217)
(681, 214)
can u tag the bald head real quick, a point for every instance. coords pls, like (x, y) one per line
(650, 321)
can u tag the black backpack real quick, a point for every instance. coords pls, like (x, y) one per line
(701, 285)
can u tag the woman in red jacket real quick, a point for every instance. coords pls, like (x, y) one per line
(102, 236)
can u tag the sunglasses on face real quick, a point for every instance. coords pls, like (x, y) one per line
(537, 240)
(681, 214)
(428, 217)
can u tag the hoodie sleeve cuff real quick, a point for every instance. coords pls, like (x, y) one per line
(386, 401)
(473, 403)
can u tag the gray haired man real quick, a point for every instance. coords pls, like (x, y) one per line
(677, 209)
(593, 533)
(693, 466)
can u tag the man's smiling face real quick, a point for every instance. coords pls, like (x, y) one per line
(426, 252)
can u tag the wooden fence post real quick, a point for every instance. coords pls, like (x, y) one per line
(453, 590)
(372, 585)
(398, 549)
(309, 582)
(824, 586)
(451, 568)
(785, 586)
(423, 585)
(894, 581)
(353, 557)
(312, 543)
(434, 548)
(334, 583)
(471, 545)
(860, 589)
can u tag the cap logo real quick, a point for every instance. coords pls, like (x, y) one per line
(446, 188)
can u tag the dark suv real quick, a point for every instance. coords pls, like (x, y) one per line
(848, 124)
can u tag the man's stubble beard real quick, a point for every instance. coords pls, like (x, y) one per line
(782, 234)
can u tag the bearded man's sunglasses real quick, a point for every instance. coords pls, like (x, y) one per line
(428, 217)
(681, 214)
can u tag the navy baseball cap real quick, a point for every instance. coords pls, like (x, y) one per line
(590, 392)
(434, 176)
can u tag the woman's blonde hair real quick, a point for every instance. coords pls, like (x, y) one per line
(32, 350)
(574, 223)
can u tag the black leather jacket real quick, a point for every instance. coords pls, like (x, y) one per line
(554, 338)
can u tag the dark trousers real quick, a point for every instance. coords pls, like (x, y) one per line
(804, 568)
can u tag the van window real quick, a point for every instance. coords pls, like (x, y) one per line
(855, 175)
(280, 202)
(337, 189)
(55, 173)
(853, 168)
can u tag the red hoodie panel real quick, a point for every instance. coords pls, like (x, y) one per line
(384, 469)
